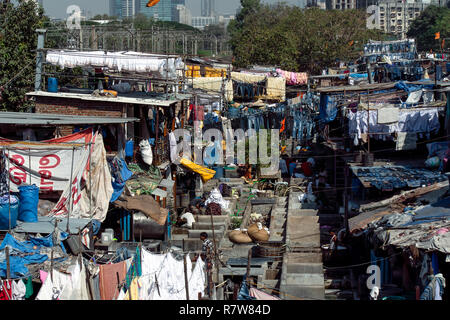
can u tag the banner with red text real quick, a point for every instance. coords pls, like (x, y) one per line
(50, 166)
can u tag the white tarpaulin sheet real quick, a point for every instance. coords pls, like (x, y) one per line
(121, 61)
(99, 180)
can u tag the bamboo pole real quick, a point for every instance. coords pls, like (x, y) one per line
(186, 281)
(70, 192)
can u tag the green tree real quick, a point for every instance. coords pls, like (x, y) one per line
(218, 30)
(297, 39)
(18, 41)
(432, 20)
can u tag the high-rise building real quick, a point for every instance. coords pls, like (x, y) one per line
(395, 16)
(163, 10)
(208, 8)
(124, 8)
(115, 8)
(130, 8)
(341, 4)
(175, 4)
(184, 15)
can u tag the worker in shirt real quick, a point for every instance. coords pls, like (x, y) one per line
(207, 246)
(307, 167)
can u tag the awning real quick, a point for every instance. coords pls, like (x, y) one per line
(24, 118)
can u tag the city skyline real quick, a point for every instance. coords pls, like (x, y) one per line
(57, 8)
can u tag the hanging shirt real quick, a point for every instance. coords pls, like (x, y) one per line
(307, 170)
(109, 285)
(18, 290)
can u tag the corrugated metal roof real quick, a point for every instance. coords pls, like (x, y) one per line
(118, 99)
(24, 118)
(46, 225)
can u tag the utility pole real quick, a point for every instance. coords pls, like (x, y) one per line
(39, 59)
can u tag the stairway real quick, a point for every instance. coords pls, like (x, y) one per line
(302, 276)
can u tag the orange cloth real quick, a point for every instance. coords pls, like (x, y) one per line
(151, 3)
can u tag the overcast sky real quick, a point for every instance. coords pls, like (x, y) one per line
(57, 8)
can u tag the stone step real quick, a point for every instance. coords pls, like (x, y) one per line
(216, 219)
(303, 212)
(207, 226)
(310, 268)
(302, 257)
(193, 234)
(293, 292)
(189, 244)
(303, 279)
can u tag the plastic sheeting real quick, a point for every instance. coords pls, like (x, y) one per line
(121, 61)
(328, 108)
(100, 179)
(23, 253)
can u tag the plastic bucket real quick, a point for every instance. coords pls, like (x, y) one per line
(219, 172)
(28, 203)
(129, 148)
(4, 215)
(52, 85)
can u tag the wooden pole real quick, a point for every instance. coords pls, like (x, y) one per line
(9, 190)
(70, 193)
(346, 179)
(249, 262)
(8, 266)
(156, 158)
(90, 180)
(186, 281)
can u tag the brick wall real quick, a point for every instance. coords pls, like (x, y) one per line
(77, 107)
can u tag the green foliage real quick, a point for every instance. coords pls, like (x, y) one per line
(18, 41)
(297, 39)
(235, 222)
(433, 19)
(218, 30)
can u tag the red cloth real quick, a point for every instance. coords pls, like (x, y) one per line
(197, 112)
(109, 288)
(6, 290)
(307, 170)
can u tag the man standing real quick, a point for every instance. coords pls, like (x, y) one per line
(207, 246)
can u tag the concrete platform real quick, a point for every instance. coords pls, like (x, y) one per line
(196, 233)
(208, 226)
(293, 292)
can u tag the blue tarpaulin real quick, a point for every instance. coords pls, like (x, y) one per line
(328, 108)
(23, 253)
(119, 186)
(412, 87)
(244, 293)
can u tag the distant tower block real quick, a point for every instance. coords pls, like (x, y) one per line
(208, 8)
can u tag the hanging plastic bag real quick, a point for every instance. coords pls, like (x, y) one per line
(146, 152)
